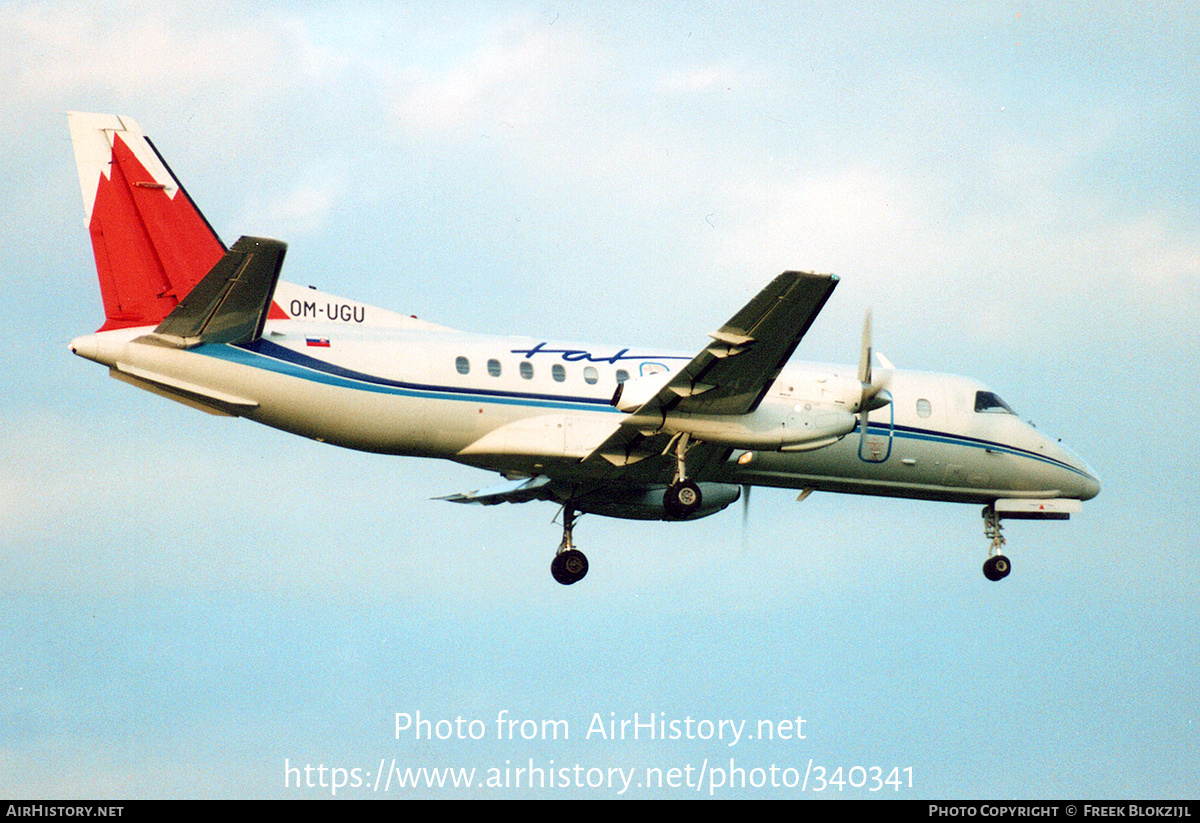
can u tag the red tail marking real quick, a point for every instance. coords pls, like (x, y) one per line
(150, 248)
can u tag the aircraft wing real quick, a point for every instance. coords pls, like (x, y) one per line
(732, 374)
(514, 491)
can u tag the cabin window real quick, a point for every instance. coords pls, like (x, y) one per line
(494, 368)
(558, 372)
(591, 375)
(526, 369)
(622, 375)
(989, 403)
(923, 408)
(463, 365)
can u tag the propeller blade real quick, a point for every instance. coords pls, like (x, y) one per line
(745, 513)
(874, 386)
(874, 394)
(864, 359)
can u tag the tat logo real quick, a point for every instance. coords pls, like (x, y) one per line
(583, 355)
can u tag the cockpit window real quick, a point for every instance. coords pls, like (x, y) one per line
(990, 403)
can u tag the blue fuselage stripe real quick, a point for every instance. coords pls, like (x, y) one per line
(263, 354)
(930, 436)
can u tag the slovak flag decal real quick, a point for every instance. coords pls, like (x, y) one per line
(322, 342)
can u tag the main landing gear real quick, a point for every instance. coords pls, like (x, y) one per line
(569, 564)
(682, 498)
(997, 566)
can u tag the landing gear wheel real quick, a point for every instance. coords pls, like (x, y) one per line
(997, 567)
(681, 500)
(569, 566)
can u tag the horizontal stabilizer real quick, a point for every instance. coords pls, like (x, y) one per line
(231, 303)
(515, 491)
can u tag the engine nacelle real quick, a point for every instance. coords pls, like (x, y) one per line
(770, 427)
(637, 391)
(766, 429)
(647, 504)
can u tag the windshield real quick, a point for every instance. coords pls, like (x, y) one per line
(990, 403)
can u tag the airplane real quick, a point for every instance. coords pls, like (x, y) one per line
(613, 430)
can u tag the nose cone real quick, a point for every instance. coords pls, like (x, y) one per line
(1074, 477)
(1086, 484)
(1091, 484)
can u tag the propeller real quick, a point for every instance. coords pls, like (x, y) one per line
(874, 385)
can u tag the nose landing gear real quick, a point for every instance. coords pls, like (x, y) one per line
(997, 566)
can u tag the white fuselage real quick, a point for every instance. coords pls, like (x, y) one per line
(363, 378)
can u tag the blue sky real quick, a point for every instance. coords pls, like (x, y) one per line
(190, 601)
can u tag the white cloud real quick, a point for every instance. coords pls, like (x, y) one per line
(701, 78)
(304, 208)
(135, 49)
(849, 218)
(522, 74)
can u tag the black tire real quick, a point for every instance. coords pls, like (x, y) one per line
(569, 567)
(682, 500)
(997, 567)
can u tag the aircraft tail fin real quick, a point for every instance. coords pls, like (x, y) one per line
(151, 244)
